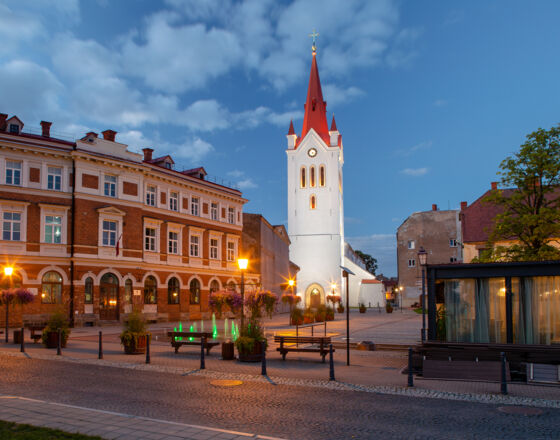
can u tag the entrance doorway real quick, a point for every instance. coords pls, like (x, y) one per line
(314, 296)
(109, 298)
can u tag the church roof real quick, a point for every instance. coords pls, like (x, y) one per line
(315, 107)
(291, 130)
(333, 124)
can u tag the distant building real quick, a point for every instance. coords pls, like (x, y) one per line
(439, 233)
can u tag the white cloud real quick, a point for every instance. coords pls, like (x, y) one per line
(424, 145)
(247, 184)
(440, 102)
(335, 95)
(415, 172)
(235, 173)
(242, 181)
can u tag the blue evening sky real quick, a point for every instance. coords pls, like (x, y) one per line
(429, 96)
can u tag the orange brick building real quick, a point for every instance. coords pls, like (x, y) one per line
(98, 230)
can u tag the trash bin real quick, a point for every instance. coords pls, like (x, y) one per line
(227, 351)
(18, 335)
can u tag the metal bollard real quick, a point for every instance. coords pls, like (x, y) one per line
(22, 348)
(58, 351)
(331, 363)
(263, 360)
(100, 356)
(410, 377)
(202, 344)
(503, 375)
(148, 341)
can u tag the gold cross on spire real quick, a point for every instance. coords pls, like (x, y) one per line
(314, 35)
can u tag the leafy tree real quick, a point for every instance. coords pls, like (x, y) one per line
(531, 211)
(370, 262)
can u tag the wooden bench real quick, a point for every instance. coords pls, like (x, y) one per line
(311, 344)
(36, 328)
(192, 338)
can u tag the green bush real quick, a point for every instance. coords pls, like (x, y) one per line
(133, 328)
(321, 313)
(58, 320)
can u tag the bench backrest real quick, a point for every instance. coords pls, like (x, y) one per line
(303, 339)
(206, 335)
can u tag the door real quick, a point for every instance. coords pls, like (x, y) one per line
(109, 298)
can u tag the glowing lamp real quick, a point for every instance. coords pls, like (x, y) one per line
(422, 256)
(291, 283)
(8, 271)
(333, 286)
(242, 263)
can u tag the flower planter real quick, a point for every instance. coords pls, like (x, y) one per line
(389, 309)
(340, 309)
(254, 356)
(52, 340)
(136, 345)
(296, 321)
(228, 353)
(362, 310)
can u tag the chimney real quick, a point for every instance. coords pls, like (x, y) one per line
(109, 135)
(494, 185)
(3, 118)
(434, 207)
(147, 154)
(46, 126)
(463, 205)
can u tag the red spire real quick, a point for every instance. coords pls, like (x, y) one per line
(315, 108)
(333, 124)
(291, 130)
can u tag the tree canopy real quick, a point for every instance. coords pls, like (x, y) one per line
(530, 218)
(370, 262)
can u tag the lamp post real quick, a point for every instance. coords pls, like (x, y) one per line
(291, 283)
(400, 300)
(242, 263)
(345, 273)
(422, 258)
(8, 271)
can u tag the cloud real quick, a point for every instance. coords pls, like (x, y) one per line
(235, 173)
(247, 184)
(415, 172)
(383, 247)
(242, 181)
(417, 147)
(403, 51)
(336, 95)
(440, 102)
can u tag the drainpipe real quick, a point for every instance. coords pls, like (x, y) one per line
(72, 225)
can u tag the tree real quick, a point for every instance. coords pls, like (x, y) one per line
(370, 262)
(531, 210)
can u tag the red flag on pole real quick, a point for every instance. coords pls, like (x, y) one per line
(118, 243)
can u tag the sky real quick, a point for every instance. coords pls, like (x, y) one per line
(429, 96)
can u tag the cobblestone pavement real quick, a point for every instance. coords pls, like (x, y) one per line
(290, 411)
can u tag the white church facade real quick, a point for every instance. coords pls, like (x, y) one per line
(315, 207)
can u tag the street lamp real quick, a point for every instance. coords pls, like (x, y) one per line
(401, 288)
(346, 273)
(8, 271)
(422, 259)
(242, 263)
(291, 283)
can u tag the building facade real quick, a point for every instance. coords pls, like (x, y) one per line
(439, 233)
(97, 230)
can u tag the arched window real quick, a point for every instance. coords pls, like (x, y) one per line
(128, 291)
(51, 288)
(150, 290)
(214, 286)
(231, 286)
(312, 202)
(194, 288)
(302, 178)
(173, 291)
(88, 291)
(322, 178)
(312, 176)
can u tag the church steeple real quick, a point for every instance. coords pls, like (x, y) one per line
(315, 107)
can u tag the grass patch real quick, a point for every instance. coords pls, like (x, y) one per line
(418, 310)
(15, 431)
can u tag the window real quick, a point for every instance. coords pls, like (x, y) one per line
(411, 244)
(453, 259)
(214, 248)
(302, 178)
(452, 242)
(195, 205)
(412, 263)
(151, 195)
(51, 288)
(109, 233)
(195, 246)
(54, 178)
(322, 175)
(312, 202)
(174, 201)
(312, 176)
(194, 288)
(231, 215)
(230, 251)
(53, 229)
(214, 286)
(88, 291)
(173, 291)
(214, 211)
(13, 172)
(231, 286)
(14, 128)
(11, 228)
(150, 290)
(150, 239)
(110, 186)
(173, 243)
(128, 291)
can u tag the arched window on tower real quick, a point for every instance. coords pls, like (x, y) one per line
(312, 202)
(302, 178)
(312, 176)
(322, 175)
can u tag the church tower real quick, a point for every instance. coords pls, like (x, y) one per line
(315, 210)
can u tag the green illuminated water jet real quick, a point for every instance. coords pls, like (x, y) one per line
(225, 328)
(214, 327)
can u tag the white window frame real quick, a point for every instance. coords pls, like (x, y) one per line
(195, 206)
(56, 178)
(110, 185)
(16, 171)
(52, 226)
(9, 220)
(194, 245)
(173, 242)
(150, 241)
(174, 201)
(115, 215)
(58, 211)
(411, 244)
(110, 232)
(231, 252)
(411, 262)
(214, 211)
(453, 242)
(231, 215)
(214, 252)
(151, 195)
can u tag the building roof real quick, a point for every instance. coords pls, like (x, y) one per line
(365, 281)
(477, 220)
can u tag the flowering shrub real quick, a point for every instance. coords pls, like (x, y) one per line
(16, 296)
(290, 298)
(335, 299)
(258, 301)
(225, 299)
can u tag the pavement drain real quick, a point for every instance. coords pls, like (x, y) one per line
(225, 383)
(520, 410)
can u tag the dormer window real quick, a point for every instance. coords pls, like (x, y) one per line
(167, 165)
(14, 128)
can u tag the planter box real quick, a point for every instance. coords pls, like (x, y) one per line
(228, 353)
(18, 336)
(253, 356)
(136, 347)
(52, 340)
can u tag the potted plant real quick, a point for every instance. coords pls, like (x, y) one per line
(340, 308)
(15, 296)
(308, 316)
(134, 337)
(330, 314)
(389, 307)
(321, 313)
(296, 316)
(58, 320)
(291, 299)
(362, 307)
(221, 300)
